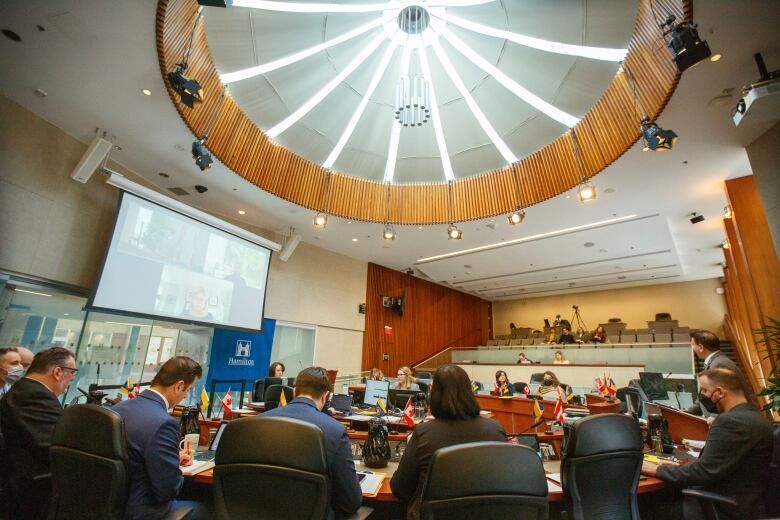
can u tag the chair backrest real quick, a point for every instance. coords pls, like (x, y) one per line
(513, 485)
(536, 378)
(530, 441)
(492, 342)
(271, 468)
(423, 386)
(663, 316)
(424, 375)
(599, 445)
(274, 393)
(258, 390)
(520, 387)
(89, 464)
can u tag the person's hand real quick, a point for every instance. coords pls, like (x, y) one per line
(185, 457)
(710, 420)
(649, 468)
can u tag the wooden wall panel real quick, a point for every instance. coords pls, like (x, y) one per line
(435, 317)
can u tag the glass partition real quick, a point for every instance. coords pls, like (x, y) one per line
(293, 346)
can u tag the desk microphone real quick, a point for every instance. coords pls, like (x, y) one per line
(534, 425)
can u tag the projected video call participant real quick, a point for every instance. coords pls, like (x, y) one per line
(199, 306)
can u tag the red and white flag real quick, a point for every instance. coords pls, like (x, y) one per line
(526, 389)
(136, 391)
(409, 413)
(227, 402)
(558, 411)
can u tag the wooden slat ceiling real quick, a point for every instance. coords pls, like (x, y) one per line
(604, 134)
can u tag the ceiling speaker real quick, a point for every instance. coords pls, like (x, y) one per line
(92, 158)
(289, 247)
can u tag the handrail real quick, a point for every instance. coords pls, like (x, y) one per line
(446, 347)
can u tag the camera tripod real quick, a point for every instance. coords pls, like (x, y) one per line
(577, 321)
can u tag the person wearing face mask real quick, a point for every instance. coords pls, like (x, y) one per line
(706, 346)
(153, 442)
(11, 369)
(549, 387)
(736, 456)
(28, 414)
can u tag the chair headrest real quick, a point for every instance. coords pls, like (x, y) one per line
(604, 433)
(274, 392)
(276, 441)
(92, 429)
(513, 470)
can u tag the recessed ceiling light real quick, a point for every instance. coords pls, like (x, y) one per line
(66, 314)
(715, 57)
(147, 92)
(419, 227)
(354, 239)
(349, 222)
(589, 244)
(568, 196)
(241, 212)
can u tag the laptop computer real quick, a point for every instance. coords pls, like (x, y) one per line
(208, 455)
(342, 403)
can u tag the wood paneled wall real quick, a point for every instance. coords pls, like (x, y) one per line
(604, 133)
(752, 275)
(435, 318)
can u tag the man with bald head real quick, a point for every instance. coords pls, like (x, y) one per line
(27, 356)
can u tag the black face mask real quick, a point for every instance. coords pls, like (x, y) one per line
(547, 382)
(707, 403)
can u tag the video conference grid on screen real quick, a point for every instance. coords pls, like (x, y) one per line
(162, 263)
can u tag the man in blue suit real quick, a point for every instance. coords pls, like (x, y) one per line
(153, 441)
(311, 394)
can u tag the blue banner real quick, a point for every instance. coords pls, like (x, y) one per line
(240, 355)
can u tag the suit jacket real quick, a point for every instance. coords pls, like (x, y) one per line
(425, 440)
(153, 449)
(347, 495)
(734, 462)
(28, 413)
(718, 360)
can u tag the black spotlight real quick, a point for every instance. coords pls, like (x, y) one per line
(188, 89)
(656, 138)
(201, 154)
(696, 218)
(687, 47)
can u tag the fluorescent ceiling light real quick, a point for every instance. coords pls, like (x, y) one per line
(327, 89)
(395, 130)
(251, 72)
(525, 239)
(596, 53)
(437, 128)
(510, 84)
(347, 133)
(456, 3)
(32, 292)
(481, 119)
(295, 7)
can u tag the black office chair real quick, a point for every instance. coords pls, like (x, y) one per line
(520, 387)
(530, 441)
(89, 466)
(274, 393)
(258, 390)
(513, 485)
(712, 506)
(537, 377)
(424, 375)
(271, 468)
(605, 444)
(423, 386)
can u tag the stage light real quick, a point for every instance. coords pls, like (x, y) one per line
(656, 138)
(727, 212)
(696, 218)
(189, 90)
(587, 192)
(687, 47)
(516, 217)
(320, 220)
(389, 232)
(454, 233)
(725, 244)
(201, 154)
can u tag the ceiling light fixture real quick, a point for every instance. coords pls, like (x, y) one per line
(518, 215)
(395, 130)
(200, 153)
(321, 218)
(453, 231)
(294, 7)
(696, 218)
(32, 292)
(688, 49)
(241, 212)
(388, 233)
(655, 138)
(438, 129)
(147, 92)
(189, 90)
(715, 57)
(596, 53)
(587, 190)
(725, 244)
(727, 211)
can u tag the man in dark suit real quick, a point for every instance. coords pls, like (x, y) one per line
(311, 393)
(706, 346)
(28, 413)
(153, 442)
(735, 459)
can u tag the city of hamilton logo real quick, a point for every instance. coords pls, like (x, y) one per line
(243, 350)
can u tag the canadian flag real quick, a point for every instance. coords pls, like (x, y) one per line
(227, 402)
(136, 391)
(409, 413)
(558, 411)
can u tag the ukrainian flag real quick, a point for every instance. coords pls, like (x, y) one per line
(381, 408)
(282, 400)
(538, 409)
(128, 387)
(204, 400)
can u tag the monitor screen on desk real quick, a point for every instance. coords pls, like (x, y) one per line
(286, 381)
(375, 389)
(654, 385)
(399, 398)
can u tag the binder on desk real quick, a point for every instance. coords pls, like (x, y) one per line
(370, 483)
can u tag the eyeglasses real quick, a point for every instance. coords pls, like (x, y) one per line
(72, 370)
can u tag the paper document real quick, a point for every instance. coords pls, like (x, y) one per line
(196, 467)
(553, 488)
(696, 445)
(555, 477)
(370, 482)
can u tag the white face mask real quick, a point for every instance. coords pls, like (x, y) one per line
(14, 374)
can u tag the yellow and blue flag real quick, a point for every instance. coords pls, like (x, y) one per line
(282, 400)
(204, 400)
(538, 409)
(381, 408)
(128, 387)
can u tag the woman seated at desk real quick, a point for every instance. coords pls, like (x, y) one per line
(550, 385)
(405, 380)
(456, 421)
(502, 387)
(376, 375)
